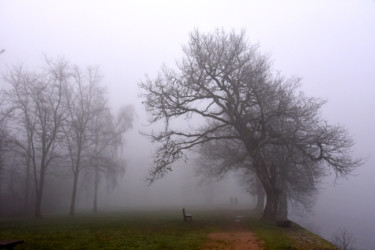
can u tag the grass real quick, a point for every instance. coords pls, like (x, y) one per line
(293, 238)
(147, 230)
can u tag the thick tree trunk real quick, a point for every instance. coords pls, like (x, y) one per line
(267, 175)
(282, 213)
(268, 181)
(270, 211)
(261, 195)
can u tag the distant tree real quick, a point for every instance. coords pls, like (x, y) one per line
(92, 136)
(225, 79)
(8, 152)
(344, 240)
(105, 154)
(84, 101)
(35, 98)
(4, 112)
(2, 146)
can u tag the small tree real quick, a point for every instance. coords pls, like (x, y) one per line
(344, 240)
(105, 154)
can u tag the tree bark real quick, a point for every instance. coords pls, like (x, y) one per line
(282, 213)
(96, 186)
(76, 169)
(27, 184)
(39, 195)
(267, 176)
(74, 193)
(270, 211)
(260, 197)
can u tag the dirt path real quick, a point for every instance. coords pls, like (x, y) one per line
(238, 238)
(232, 240)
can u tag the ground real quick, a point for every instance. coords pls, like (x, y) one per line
(238, 238)
(213, 229)
(232, 240)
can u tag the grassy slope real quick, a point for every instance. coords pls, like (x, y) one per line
(295, 237)
(148, 230)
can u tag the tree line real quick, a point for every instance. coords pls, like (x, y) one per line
(254, 121)
(56, 119)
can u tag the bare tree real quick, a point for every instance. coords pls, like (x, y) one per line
(6, 147)
(38, 113)
(4, 113)
(85, 100)
(226, 80)
(92, 136)
(105, 155)
(344, 240)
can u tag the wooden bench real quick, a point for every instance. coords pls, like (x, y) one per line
(187, 217)
(9, 244)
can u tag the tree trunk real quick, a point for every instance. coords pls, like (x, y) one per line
(38, 205)
(282, 213)
(268, 181)
(74, 193)
(260, 196)
(96, 186)
(39, 195)
(267, 176)
(27, 184)
(76, 169)
(28, 167)
(270, 211)
(96, 177)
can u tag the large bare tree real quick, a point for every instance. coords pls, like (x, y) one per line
(224, 78)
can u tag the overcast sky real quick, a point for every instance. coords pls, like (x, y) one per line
(329, 43)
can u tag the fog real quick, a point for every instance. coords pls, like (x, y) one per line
(330, 44)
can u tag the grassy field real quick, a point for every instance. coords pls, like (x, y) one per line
(149, 230)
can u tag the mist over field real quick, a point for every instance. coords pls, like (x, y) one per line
(328, 44)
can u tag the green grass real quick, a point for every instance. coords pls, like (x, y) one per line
(128, 230)
(140, 230)
(272, 236)
(292, 238)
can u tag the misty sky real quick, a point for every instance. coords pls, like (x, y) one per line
(330, 44)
